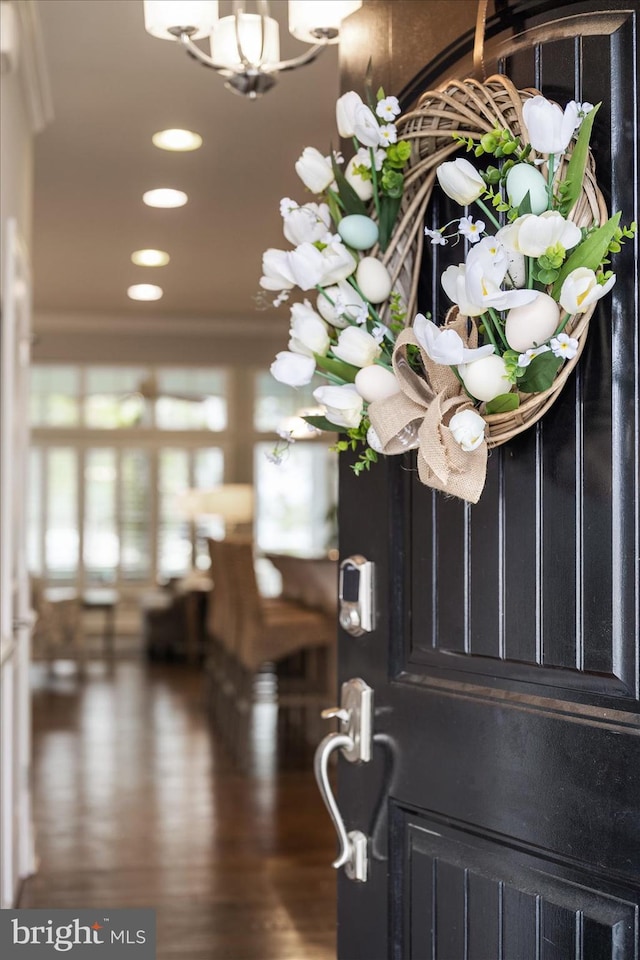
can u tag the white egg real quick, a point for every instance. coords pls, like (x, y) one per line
(376, 383)
(374, 440)
(485, 379)
(532, 324)
(524, 179)
(358, 231)
(374, 280)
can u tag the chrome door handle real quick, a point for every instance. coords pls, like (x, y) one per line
(354, 739)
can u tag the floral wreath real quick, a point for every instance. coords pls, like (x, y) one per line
(522, 299)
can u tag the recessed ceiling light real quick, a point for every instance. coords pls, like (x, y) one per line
(177, 140)
(144, 291)
(150, 258)
(165, 197)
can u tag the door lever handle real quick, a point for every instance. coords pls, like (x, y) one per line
(354, 739)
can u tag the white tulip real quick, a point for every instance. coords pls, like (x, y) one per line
(467, 428)
(486, 268)
(344, 305)
(314, 170)
(294, 369)
(276, 270)
(308, 331)
(446, 346)
(550, 129)
(453, 284)
(532, 235)
(460, 180)
(485, 379)
(337, 263)
(364, 188)
(581, 289)
(376, 383)
(365, 126)
(346, 107)
(343, 405)
(306, 224)
(357, 347)
(306, 265)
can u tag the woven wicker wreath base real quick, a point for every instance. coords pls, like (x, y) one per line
(471, 109)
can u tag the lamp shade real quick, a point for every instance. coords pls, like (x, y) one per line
(313, 20)
(231, 501)
(224, 40)
(161, 15)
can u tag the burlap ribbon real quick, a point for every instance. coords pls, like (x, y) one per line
(428, 404)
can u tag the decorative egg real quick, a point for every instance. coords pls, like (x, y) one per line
(485, 379)
(524, 179)
(376, 383)
(530, 325)
(373, 279)
(374, 440)
(358, 231)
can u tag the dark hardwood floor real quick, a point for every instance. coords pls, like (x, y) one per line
(137, 804)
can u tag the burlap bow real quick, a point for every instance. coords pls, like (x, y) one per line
(427, 405)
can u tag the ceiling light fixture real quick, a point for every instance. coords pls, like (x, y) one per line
(179, 140)
(150, 258)
(245, 47)
(165, 197)
(144, 291)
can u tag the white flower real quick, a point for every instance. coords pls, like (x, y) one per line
(287, 205)
(343, 405)
(471, 229)
(364, 188)
(564, 346)
(460, 180)
(388, 134)
(550, 129)
(337, 156)
(379, 332)
(276, 270)
(453, 284)
(467, 428)
(357, 347)
(346, 107)
(388, 109)
(282, 297)
(314, 170)
(365, 126)
(306, 266)
(525, 358)
(341, 305)
(583, 109)
(446, 346)
(363, 158)
(306, 224)
(294, 369)
(581, 289)
(436, 237)
(486, 267)
(532, 235)
(308, 331)
(337, 263)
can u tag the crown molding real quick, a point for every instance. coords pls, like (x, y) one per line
(33, 65)
(120, 325)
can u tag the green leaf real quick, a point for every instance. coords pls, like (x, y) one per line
(540, 373)
(345, 371)
(590, 253)
(504, 403)
(380, 93)
(321, 423)
(577, 164)
(334, 209)
(546, 276)
(389, 207)
(525, 205)
(350, 199)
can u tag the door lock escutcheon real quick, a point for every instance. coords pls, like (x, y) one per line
(354, 738)
(356, 596)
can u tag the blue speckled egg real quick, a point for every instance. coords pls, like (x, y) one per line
(358, 232)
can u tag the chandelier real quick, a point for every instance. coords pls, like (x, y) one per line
(245, 46)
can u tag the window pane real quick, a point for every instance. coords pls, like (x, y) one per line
(191, 399)
(296, 499)
(34, 512)
(174, 532)
(101, 546)
(135, 544)
(275, 402)
(54, 395)
(115, 397)
(208, 472)
(62, 513)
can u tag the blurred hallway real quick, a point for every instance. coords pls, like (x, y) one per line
(136, 804)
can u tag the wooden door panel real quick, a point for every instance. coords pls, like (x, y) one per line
(473, 897)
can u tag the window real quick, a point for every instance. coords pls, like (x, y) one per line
(114, 399)
(275, 402)
(55, 396)
(191, 399)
